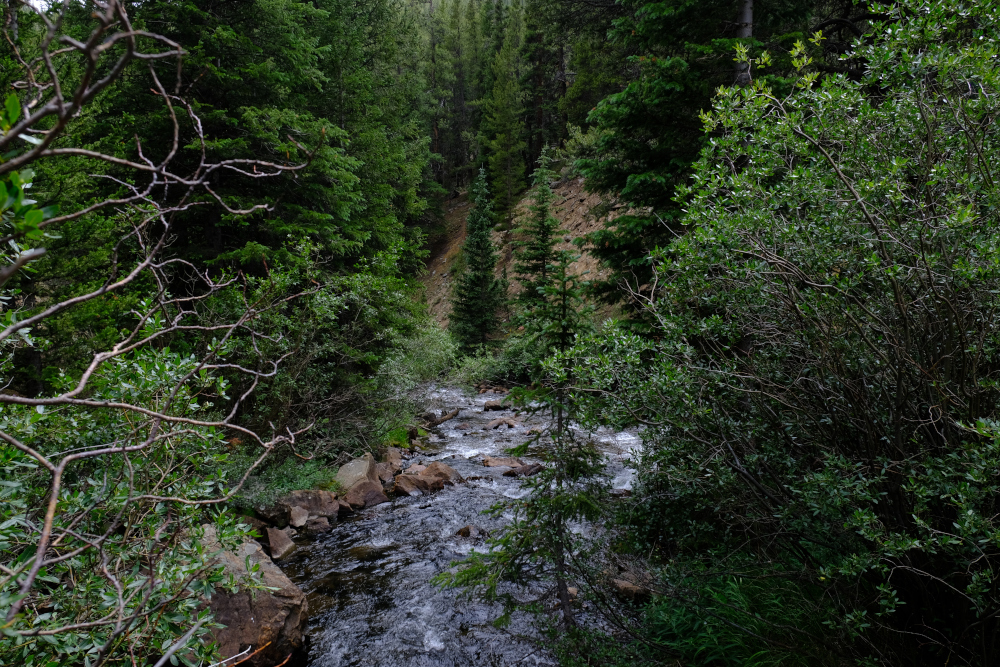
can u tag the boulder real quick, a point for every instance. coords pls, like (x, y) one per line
(631, 591)
(316, 502)
(469, 531)
(394, 457)
(433, 483)
(493, 405)
(445, 473)
(275, 515)
(356, 471)
(502, 421)
(273, 617)
(343, 508)
(411, 485)
(317, 526)
(280, 542)
(298, 516)
(366, 493)
(524, 471)
(385, 472)
(502, 461)
(415, 469)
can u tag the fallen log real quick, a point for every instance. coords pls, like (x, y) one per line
(443, 419)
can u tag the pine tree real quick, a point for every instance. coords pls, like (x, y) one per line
(536, 243)
(479, 294)
(503, 127)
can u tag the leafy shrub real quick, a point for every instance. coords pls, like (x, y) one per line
(821, 395)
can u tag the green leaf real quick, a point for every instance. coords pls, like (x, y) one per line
(13, 108)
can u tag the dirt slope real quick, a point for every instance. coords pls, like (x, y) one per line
(575, 209)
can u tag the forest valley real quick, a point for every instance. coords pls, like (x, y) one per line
(216, 216)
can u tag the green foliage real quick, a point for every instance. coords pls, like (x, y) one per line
(503, 128)
(536, 240)
(479, 295)
(821, 397)
(650, 135)
(114, 589)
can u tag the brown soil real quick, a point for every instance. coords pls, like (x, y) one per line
(576, 210)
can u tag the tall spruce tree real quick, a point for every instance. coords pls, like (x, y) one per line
(479, 294)
(503, 125)
(536, 239)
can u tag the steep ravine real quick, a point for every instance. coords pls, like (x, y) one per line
(368, 580)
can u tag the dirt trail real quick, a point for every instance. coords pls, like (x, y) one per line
(578, 211)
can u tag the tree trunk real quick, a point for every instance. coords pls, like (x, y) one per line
(744, 30)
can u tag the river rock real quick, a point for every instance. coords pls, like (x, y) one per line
(415, 469)
(317, 526)
(356, 471)
(316, 501)
(468, 531)
(445, 473)
(502, 461)
(343, 508)
(524, 471)
(493, 405)
(366, 493)
(497, 423)
(411, 485)
(629, 590)
(298, 516)
(394, 457)
(280, 542)
(274, 616)
(385, 472)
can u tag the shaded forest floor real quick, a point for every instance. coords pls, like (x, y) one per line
(578, 212)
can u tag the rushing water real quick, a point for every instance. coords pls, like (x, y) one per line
(368, 580)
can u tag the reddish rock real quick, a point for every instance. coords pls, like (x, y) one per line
(445, 473)
(502, 461)
(524, 471)
(271, 620)
(411, 485)
(415, 469)
(356, 471)
(280, 542)
(494, 405)
(314, 501)
(502, 421)
(468, 531)
(343, 508)
(365, 493)
(298, 516)
(434, 483)
(317, 526)
(385, 472)
(394, 457)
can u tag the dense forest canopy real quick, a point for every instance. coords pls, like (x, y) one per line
(216, 215)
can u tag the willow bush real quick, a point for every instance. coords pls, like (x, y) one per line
(821, 399)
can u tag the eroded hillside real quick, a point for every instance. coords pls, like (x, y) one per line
(578, 212)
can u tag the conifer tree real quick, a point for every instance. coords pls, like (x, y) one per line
(504, 127)
(479, 294)
(536, 241)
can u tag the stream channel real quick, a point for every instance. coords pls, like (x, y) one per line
(368, 580)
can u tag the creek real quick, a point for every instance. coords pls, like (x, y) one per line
(368, 580)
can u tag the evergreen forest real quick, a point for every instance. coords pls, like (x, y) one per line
(219, 219)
